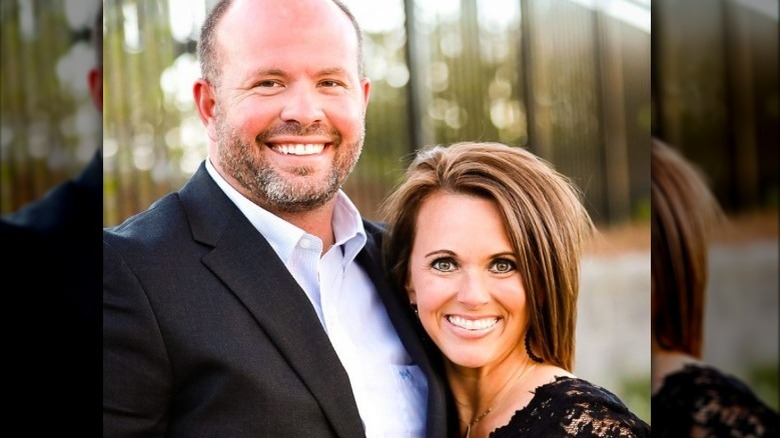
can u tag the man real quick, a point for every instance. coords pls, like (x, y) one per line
(52, 270)
(252, 302)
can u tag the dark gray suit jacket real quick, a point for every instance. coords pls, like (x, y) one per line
(205, 333)
(51, 273)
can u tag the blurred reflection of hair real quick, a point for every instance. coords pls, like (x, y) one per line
(690, 397)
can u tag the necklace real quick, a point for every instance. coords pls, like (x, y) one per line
(481, 416)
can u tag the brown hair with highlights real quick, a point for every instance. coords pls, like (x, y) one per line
(683, 212)
(543, 216)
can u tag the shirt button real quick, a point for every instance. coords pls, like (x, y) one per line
(305, 243)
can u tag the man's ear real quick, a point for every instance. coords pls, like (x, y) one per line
(365, 84)
(206, 103)
(95, 83)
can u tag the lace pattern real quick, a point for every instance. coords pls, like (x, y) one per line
(573, 407)
(701, 401)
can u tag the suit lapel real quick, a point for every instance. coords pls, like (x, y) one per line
(250, 268)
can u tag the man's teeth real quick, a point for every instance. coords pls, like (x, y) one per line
(299, 149)
(472, 324)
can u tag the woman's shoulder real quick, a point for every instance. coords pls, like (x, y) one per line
(571, 391)
(695, 381)
(706, 398)
(696, 375)
(573, 407)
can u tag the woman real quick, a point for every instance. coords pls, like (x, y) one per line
(690, 398)
(486, 239)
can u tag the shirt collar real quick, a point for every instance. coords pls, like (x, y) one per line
(348, 227)
(283, 236)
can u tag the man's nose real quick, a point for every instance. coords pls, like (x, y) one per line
(303, 105)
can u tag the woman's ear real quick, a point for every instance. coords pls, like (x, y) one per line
(410, 292)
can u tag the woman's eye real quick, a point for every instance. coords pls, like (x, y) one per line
(443, 265)
(503, 265)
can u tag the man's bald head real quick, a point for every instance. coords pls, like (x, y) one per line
(208, 50)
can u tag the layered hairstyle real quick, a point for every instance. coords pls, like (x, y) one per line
(683, 213)
(208, 50)
(543, 216)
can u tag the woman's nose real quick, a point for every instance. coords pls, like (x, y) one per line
(474, 291)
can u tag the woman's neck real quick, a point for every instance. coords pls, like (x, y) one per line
(666, 362)
(482, 395)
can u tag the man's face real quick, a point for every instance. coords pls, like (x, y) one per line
(290, 105)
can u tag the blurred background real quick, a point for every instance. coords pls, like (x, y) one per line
(715, 98)
(568, 79)
(49, 127)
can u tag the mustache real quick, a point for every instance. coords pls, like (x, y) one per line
(295, 129)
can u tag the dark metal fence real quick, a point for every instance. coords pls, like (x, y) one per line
(570, 82)
(567, 79)
(715, 88)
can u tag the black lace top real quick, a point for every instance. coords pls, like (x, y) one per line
(573, 407)
(703, 401)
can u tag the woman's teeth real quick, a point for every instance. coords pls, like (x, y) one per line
(472, 324)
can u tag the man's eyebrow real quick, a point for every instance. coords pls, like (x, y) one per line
(268, 72)
(332, 71)
(277, 72)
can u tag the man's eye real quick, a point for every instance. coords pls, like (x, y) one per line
(503, 265)
(330, 84)
(444, 265)
(267, 84)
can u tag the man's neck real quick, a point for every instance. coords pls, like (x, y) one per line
(318, 222)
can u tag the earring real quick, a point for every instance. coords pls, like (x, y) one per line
(531, 354)
(414, 308)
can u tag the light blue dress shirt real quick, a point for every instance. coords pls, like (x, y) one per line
(390, 392)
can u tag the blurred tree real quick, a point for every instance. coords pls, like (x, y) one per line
(565, 79)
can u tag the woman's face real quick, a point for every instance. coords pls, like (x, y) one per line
(463, 277)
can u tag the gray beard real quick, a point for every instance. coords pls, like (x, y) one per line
(275, 192)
